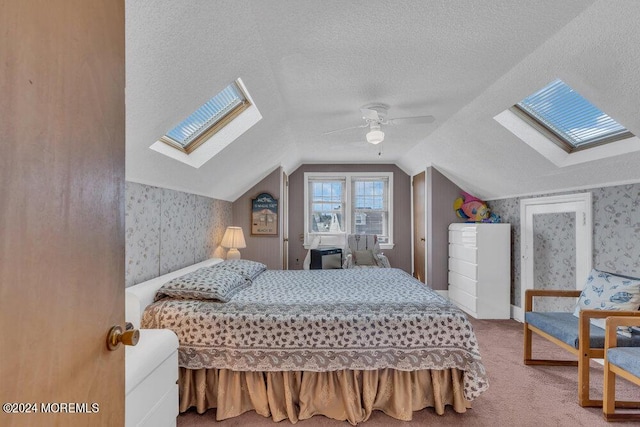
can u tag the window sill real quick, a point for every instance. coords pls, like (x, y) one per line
(383, 246)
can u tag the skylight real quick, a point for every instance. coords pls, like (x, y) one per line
(568, 119)
(208, 119)
(211, 128)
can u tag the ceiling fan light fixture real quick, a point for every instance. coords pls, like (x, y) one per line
(375, 135)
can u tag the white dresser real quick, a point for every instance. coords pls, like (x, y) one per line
(151, 373)
(480, 269)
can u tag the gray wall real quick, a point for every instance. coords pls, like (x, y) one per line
(616, 233)
(399, 256)
(441, 193)
(167, 230)
(265, 249)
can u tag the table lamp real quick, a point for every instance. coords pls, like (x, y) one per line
(233, 239)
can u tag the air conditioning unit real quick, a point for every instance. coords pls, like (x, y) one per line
(326, 259)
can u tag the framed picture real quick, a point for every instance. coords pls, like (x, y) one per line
(264, 215)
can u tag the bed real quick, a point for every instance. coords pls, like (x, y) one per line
(294, 344)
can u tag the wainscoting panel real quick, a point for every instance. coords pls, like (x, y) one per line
(167, 230)
(142, 232)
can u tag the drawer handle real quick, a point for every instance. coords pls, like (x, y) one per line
(117, 336)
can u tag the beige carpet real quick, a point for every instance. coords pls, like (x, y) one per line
(536, 396)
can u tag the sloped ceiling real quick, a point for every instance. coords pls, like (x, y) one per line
(310, 66)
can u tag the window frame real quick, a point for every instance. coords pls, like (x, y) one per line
(370, 211)
(529, 114)
(218, 141)
(343, 201)
(348, 202)
(207, 132)
(560, 141)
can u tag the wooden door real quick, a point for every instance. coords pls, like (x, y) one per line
(419, 226)
(61, 211)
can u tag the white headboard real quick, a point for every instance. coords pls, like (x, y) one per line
(139, 296)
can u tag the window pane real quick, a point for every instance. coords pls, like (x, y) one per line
(326, 222)
(370, 207)
(570, 116)
(326, 203)
(204, 118)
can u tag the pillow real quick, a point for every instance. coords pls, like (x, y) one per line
(364, 258)
(204, 284)
(246, 268)
(606, 291)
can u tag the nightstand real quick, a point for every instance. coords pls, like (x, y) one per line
(151, 375)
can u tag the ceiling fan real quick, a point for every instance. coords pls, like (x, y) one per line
(375, 117)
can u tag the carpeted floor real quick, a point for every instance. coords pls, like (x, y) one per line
(535, 396)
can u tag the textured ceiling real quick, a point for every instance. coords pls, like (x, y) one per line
(311, 65)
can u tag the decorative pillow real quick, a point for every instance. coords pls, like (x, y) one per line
(364, 258)
(246, 268)
(606, 291)
(204, 284)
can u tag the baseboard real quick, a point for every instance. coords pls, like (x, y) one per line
(517, 313)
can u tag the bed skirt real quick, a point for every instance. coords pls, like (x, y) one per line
(349, 395)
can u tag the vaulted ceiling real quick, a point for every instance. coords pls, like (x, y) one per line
(310, 65)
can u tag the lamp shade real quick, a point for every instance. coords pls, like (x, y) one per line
(233, 238)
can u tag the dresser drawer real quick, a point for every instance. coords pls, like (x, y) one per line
(463, 299)
(463, 237)
(465, 284)
(142, 400)
(463, 253)
(165, 412)
(465, 268)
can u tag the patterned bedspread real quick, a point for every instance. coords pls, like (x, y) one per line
(325, 320)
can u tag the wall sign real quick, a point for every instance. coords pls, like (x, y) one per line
(264, 215)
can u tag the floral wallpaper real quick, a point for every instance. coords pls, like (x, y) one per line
(616, 234)
(167, 230)
(554, 247)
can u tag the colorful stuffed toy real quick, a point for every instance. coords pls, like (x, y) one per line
(473, 209)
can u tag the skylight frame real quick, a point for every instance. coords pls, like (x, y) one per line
(528, 114)
(212, 128)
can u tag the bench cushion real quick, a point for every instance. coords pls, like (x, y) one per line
(607, 291)
(627, 358)
(564, 326)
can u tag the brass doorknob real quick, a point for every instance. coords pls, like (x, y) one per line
(117, 336)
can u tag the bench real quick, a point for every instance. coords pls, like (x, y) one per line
(621, 361)
(576, 335)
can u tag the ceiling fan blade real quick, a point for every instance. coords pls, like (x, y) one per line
(417, 120)
(345, 129)
(369, 114)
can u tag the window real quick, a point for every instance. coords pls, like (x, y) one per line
(565, 128)
(327, 205)
(370, 206)
(349, 204)
(208, 119)
(211, 128)
(568, 119)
